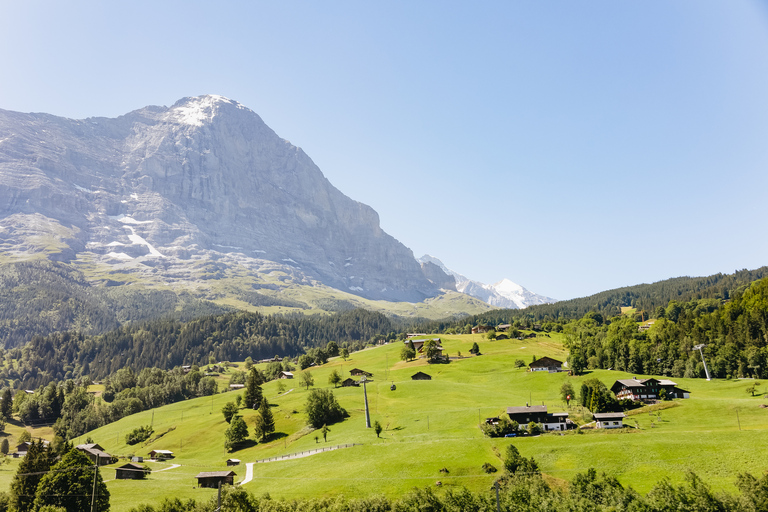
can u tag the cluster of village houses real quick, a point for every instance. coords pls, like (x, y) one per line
(642, 390)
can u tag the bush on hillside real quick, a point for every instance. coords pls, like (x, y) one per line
(138, 435)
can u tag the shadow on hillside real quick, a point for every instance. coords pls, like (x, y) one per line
(248, 443)
(274, 436)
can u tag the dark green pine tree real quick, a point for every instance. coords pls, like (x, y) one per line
(265, 422)
(253, 394)
(6, 404)
(28, 475)
(70, 485)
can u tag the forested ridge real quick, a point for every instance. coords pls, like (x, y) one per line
(734, 332)
(645, 298)
(38, 298)
(170, 343)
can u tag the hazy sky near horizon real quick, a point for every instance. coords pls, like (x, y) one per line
(571, 147)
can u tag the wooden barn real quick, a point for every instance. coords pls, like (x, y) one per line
(130, 471)
(212, 479)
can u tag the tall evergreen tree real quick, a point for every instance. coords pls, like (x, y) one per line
(6, 404)
(28, 476)
(265, 422)
(253, 393)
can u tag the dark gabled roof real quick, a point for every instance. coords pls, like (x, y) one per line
(90, 446)
(609, 415)
(97, 453)
(629, 383)
(530, 409)
(215, 474)
(545, 361)
(132, 467)
(421, 374)
(358, 371)
(639, 383)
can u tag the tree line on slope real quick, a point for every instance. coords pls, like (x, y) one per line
(734, 332)
(645, 298)
(38, 298)
(169, 343)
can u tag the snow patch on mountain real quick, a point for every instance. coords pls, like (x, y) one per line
(199, 110)
(503, 294)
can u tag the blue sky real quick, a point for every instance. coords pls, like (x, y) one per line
(572, 147)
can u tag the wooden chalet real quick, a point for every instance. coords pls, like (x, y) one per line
(285, 375)
(23, 448)
(130, 471)
(233, 462)
(421, 376)
(213, 479)
(546, 364)
(646, 389)
(349, 382)
(481, 329)
(609, 419)
(96, 453)
(357, 372)
(161, 454)
(538, 414)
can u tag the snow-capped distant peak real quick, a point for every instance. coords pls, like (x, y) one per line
(505, 286)
(198, 110)
(503, 294)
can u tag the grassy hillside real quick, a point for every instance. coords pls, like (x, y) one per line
(431, 425)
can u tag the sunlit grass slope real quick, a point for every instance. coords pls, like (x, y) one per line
(433, 425)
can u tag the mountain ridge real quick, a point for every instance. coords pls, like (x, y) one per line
(502, 294)
(161, 190)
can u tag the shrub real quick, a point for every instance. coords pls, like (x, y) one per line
(503, 427)
(489, 468)
(138, 435)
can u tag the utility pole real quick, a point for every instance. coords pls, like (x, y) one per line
(365, 395)
(496, 484)
(700, 347)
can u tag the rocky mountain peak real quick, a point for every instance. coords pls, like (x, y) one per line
(163, 188)
(502, 294)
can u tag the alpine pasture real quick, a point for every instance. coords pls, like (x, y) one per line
(431, 430)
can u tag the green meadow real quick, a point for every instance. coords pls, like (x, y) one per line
(431, 426)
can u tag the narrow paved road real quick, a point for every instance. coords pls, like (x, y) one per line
(172, 466)
(249, 465)
(248, 473)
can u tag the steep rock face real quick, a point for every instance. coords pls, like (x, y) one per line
(438, 276)
(161, 186)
